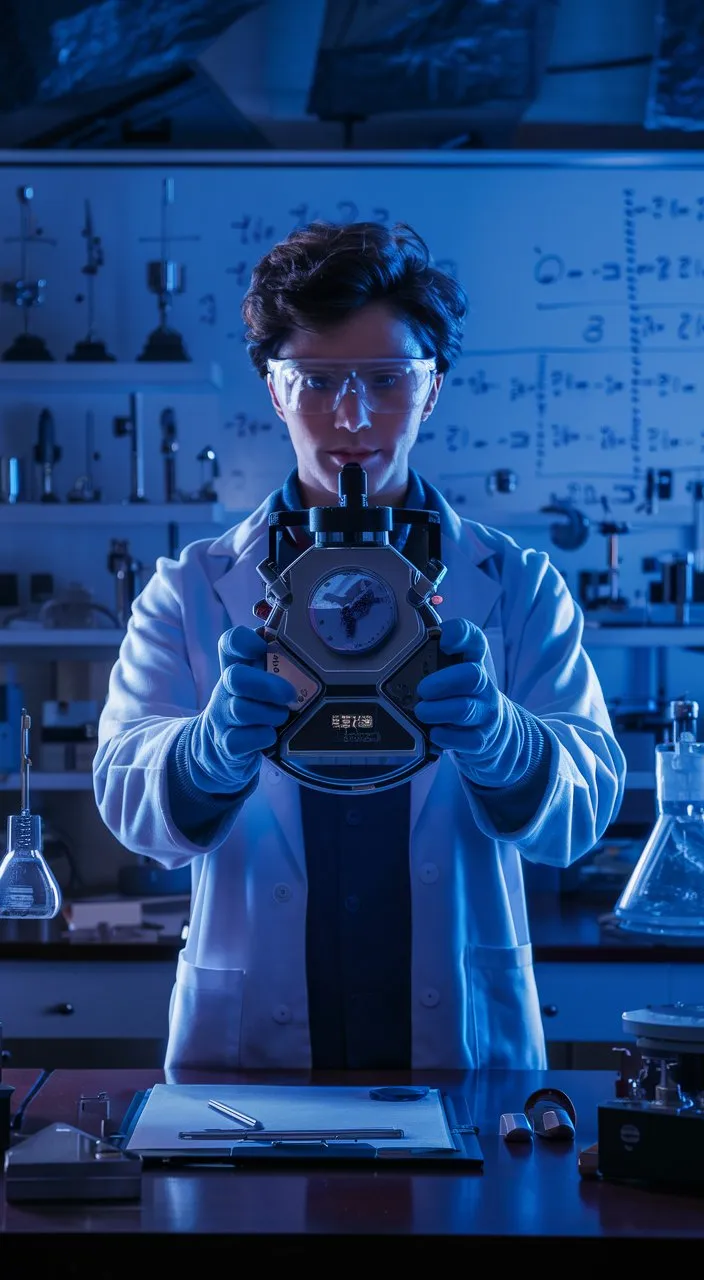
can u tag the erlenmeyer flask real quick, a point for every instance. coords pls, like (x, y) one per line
(665, 892)
(28, 888)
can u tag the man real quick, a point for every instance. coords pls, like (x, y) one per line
(387, 931)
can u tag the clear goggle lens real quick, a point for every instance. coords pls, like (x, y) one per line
(384, 386)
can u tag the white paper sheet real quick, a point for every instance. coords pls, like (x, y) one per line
(170, 1108)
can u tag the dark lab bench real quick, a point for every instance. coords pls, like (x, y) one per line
(528, 1202)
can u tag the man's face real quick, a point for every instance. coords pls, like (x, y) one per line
(380, 441)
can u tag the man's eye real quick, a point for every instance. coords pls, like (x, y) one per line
(316, 381)
(384, 379)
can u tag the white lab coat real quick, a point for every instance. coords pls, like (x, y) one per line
(239, 998)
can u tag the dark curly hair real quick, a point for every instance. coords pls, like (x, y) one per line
(322, 273)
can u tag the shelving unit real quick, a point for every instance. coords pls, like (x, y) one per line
(21, 642)
(24, 514)
(83, 641)
(645, 636)
(104, 376)
(68, 781)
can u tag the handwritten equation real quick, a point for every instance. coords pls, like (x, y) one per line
(583, 360)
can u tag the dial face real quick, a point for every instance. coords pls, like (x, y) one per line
(351, 611)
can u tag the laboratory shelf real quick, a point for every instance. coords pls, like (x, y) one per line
(49, 781)
(107, 375)
(642, 636)
(29, 514)
(83, 642)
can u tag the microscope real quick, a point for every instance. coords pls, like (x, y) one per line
(650, 1131)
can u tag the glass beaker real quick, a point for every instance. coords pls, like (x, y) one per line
(665, 892)
(28, 888)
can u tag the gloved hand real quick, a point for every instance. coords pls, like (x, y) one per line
(246, 706)
(496, 743)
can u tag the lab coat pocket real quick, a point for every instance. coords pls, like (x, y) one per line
(505, 1008)
(205, 1016)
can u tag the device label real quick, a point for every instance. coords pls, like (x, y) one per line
(281, 664)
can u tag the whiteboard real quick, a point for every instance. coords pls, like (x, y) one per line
(583, 359)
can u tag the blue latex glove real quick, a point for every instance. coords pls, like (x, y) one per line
(246, 706)
(496, 743)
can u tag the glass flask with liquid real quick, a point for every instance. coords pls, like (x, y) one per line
(28, 888)
(664, 895)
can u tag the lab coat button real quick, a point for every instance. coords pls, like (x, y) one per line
(353, 817)
(282, 1013)
(430, 997)
(429, 873)
(282, 892)
(273, 775)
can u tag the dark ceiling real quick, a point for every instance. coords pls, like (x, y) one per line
(125, 73)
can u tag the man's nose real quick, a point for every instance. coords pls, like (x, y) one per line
(352, 413)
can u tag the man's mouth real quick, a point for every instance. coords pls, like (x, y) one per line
(352, 455)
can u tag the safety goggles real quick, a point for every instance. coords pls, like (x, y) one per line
(384, 386)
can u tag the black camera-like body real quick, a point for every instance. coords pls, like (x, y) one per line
(352, 623)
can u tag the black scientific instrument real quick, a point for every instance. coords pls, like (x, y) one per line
(165, 279)
(23, 292)
(84, 487)
(132, 425)
(208, 463)
(90, 348)
(652, 1131)
(351, 622)
(46, 454)
(127, 572)
(169, 449)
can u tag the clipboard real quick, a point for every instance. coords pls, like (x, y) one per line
(438, 1130)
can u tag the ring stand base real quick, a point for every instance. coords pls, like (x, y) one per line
(90, 351)
(164, 345)
(27, 346)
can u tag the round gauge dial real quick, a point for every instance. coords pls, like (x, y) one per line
(351, 611)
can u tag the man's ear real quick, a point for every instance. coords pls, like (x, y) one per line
(274, 398)
(433, 396)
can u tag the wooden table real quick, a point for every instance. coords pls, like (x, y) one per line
(524, 1199)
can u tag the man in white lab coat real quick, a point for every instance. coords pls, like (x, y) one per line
(385, 930)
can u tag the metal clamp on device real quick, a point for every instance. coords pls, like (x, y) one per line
(351, 623)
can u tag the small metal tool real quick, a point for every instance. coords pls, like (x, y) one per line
(93, 1113)
(248, 1121)
(551, 1113)
(289, 1135)
(514, 1126)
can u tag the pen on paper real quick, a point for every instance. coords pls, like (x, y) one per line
(289, 1135)
(225, 1109)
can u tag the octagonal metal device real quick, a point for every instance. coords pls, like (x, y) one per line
(353, 727)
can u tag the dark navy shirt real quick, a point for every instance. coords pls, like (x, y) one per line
(358, 920)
